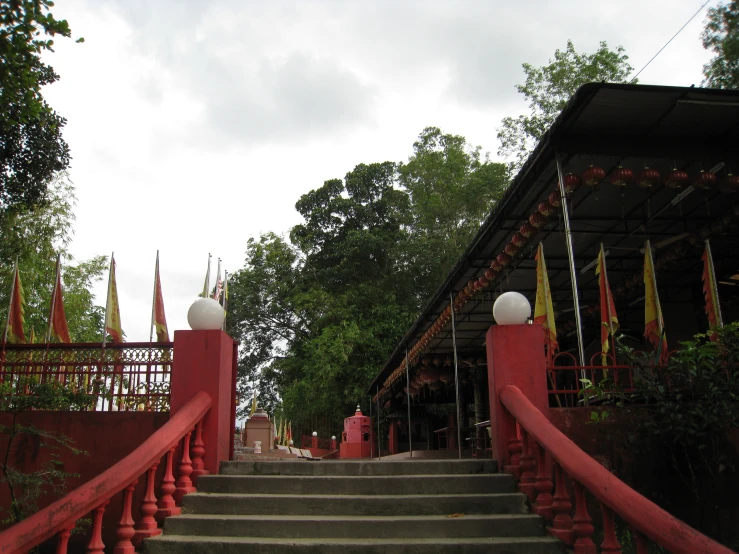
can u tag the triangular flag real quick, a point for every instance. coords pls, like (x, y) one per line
(158, 318)
(58, 328)
(112, 309)
(32, 338)
(608, 317)
(543, 311)
(710, 290)
(654, 326)
(253, 404)
(219, 284)
(289, 431)
(14, 329)
(225, 298)
(206, 285)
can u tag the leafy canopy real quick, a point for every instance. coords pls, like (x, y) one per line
(721, 35)
(549, 87)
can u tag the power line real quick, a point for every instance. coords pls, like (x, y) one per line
(669, 41)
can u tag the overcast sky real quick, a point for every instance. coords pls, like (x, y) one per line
(194, 125)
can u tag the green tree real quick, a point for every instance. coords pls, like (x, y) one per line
(31, 145)
(549, 87)
(452, 187)
(35, 236)
(721, 35)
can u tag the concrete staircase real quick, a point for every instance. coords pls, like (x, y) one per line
(429, 506)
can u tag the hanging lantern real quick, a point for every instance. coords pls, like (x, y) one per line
(545, 209)
(519, 240)
(495, 265)
(705, 179)
(572, 183)
(648, 178)
(730, 183)
(593, 176)
(504, 259)
(489, 274)
(527, 230)
(482, 283)
(446, 377)
(511, 249)
(555, 199)
(676, 179)
(436, 385)
(428, 375)
(622, 176)
(537, 220)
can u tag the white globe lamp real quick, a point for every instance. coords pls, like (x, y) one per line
(511, 308)
(290, 442)
(205, 314)
(333, 437)
(315, 434)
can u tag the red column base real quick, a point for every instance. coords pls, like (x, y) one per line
(142, 534)
(547, 512)
(166, 512)
(585, 548)
(197, 473)
(513, 470)
(529, 489)
(180, 493)
(567, 536)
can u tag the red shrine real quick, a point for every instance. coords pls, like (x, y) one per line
(357, 438)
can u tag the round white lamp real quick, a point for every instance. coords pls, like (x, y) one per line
(511, 308)
(333, 437)
(290, 442)
(204, 314)
(315, 434)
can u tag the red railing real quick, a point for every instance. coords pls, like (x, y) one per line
(543, 460)
(58, 519)
(129, 376)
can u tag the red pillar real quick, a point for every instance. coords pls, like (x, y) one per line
(392, 439)
(515, 355)
(203, 361)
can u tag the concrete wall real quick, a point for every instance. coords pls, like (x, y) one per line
(106, 436)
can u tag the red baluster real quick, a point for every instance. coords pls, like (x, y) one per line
(610, 544)
(167, 505)
(543, 485)
(125, 531)
(183, 483)
(96, 544)
(528, 479)
(198, 451)
(642, 543)
(582, 526)
(562, 523)
(514, 447)
(62, 540)
(147, 526)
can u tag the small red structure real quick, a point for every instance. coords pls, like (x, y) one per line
(357, 438)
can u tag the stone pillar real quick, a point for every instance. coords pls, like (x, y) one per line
(515, 356)
(203, 361)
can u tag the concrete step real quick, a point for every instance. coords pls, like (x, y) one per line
(355, 527)
(358, 467)
(356, 505)
(236, 545)
(383, 484)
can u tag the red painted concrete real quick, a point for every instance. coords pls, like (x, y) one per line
(87, 497)
(639, 512)
(356, 440)
(515, 356)
(203, 362)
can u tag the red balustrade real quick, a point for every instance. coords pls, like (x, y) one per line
(59, 518)
(646, 520)
(128, 376)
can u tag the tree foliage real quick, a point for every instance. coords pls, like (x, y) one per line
(31, 145)
(318, 314)
(549, 87)
(721, 35)
(34, 236)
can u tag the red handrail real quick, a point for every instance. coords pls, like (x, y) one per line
(639, 512)
(56, 517)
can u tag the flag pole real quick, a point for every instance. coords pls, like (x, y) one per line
(53, 298)
(206, 288)
(608, 306)
(107, 301)
(408, 396)
(10, 303)
(153, 300)
(456, 375)
(225, 299)
(714, 285)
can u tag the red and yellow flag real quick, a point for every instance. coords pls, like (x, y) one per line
(112, 309)
(543, 311)
(58, 327)
(14, 330)
(158, 318)
(608, 316)
(654, 326)
(710, 290)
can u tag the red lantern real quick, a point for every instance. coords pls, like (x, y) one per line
(572, 183)
(622, 176)
(593, 176)
(555, 199)
(705, 180)
(511, 249)
(519, 240)
(676, 179)
(730, 183)
(446, 377)
(436, 385)
(545, 209)
(495, 265)
(527, 230)
(504, 259)
(537, 220)
(489, 274)
(482, 282)
(648, 178)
